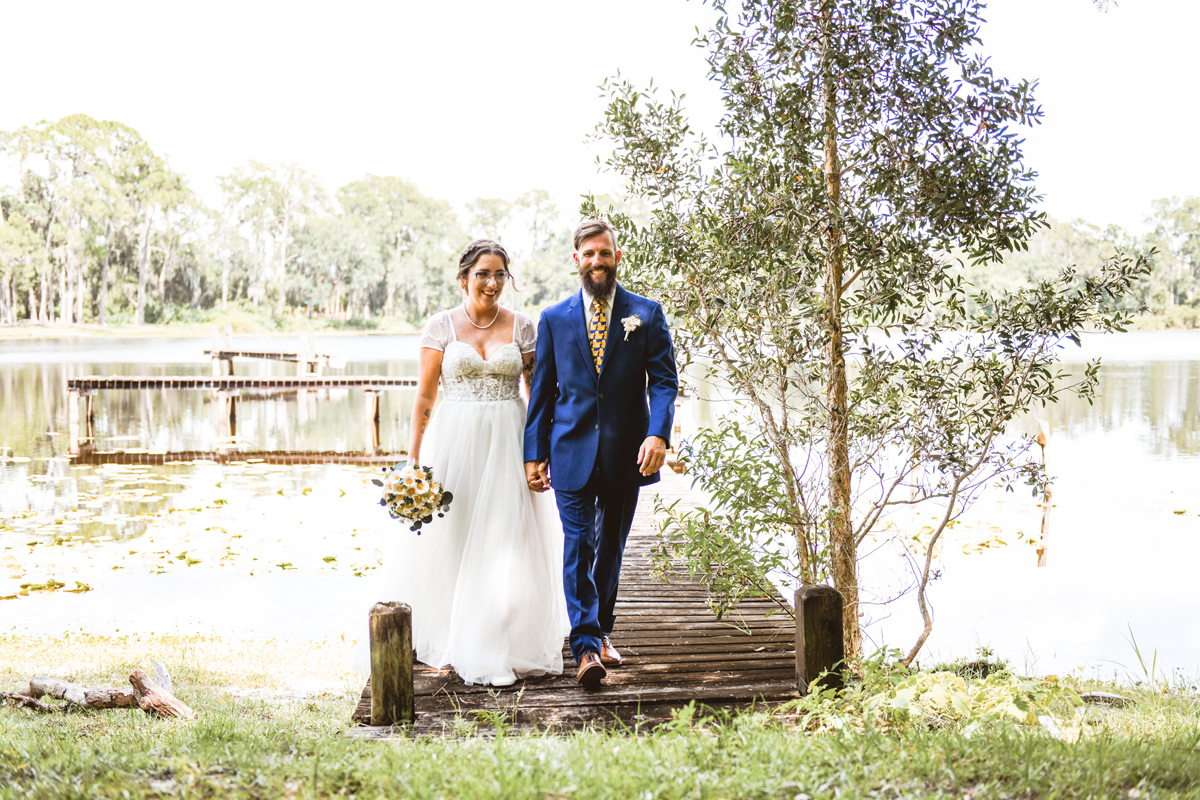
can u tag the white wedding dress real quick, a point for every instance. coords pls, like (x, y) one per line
(485, 581)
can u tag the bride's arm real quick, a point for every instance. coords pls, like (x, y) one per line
(429, 371)
(530, 362)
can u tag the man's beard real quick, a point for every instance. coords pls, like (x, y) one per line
(601, 287)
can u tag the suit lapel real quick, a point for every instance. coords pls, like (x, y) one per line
(578, 318)
(615, 314)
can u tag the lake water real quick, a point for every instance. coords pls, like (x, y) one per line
(270, 551)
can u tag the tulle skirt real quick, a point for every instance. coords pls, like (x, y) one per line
(485, 581)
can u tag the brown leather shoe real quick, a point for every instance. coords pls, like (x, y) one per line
(591, 671)
(609, 656)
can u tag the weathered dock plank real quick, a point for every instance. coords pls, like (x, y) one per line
(676, 651)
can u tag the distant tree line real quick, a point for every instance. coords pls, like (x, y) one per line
(1171, 290)
(100, 228)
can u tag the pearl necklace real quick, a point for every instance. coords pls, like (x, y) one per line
(495, 317)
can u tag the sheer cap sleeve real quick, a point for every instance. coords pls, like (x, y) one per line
(437, 331)
(525, 334)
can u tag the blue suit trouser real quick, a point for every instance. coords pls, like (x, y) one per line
(596, 521)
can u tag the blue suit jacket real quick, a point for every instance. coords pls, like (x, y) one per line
(575, 413)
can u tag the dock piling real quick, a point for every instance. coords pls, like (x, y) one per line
(819, 645)
(391, 664)
(73, 421)
(371, 404)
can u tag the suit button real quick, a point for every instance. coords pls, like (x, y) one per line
(597, 427)
(601, 397)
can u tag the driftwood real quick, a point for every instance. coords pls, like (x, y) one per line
(162, 677)
(21, 701)
(59, 690)
(152, 699)
(110, 697)
(106, 697)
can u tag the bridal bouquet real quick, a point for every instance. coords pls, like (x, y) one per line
(410, 493)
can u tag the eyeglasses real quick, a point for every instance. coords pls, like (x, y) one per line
(486, 277)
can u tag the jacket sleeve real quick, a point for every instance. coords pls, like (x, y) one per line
(542, 395)
(662, 378)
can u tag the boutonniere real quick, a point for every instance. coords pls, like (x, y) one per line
(631, 324)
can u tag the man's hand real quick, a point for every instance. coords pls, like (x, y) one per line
(536, 475)
(652, 454)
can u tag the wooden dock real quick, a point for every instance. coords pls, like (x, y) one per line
(94, 458)
(227, 383)
(676, 651)
(225, 390)
(312, 362)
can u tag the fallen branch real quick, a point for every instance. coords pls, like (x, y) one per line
(59, 690)
(21, 701)
(152, 699)
(110, 697)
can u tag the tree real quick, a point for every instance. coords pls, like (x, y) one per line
(339, 266)
(489, 217)
(20, 250)
(869, 148)
(268, 203)
(1177, 235)
(417, 240)
(85, 184)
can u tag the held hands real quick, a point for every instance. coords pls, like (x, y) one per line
(652, 454)
(536, 475)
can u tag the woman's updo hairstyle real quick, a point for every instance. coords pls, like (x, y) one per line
(476, 250)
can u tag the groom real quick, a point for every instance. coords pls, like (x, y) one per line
(600, 354)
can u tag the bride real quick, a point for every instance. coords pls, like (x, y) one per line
(485, 581)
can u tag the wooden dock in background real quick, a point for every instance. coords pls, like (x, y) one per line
(225, 390)
(278, 457)
(227, 383)
(676, 651)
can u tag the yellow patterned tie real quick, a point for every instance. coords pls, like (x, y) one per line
(598, 332)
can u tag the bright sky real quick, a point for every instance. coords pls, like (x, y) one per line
(483, 99)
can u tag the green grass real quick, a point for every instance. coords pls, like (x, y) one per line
(259, 734)
(257, 749)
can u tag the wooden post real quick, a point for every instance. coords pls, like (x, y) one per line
(304, 354)
(391, 664)
(371, 407)
(73, 421)
(819, 643)
(89, 416)
(226, 411)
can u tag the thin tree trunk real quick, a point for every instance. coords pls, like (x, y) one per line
(64, 304)
(80, 284)
(143, 265)
(162, 274)
(102, 300)
(72, 275)
(845, 556)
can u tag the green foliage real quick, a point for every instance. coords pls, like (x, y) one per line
(940, 700)
(981, 666)
(733, 544)
(813, 267)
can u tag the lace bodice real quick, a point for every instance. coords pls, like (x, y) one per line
(466, 376)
